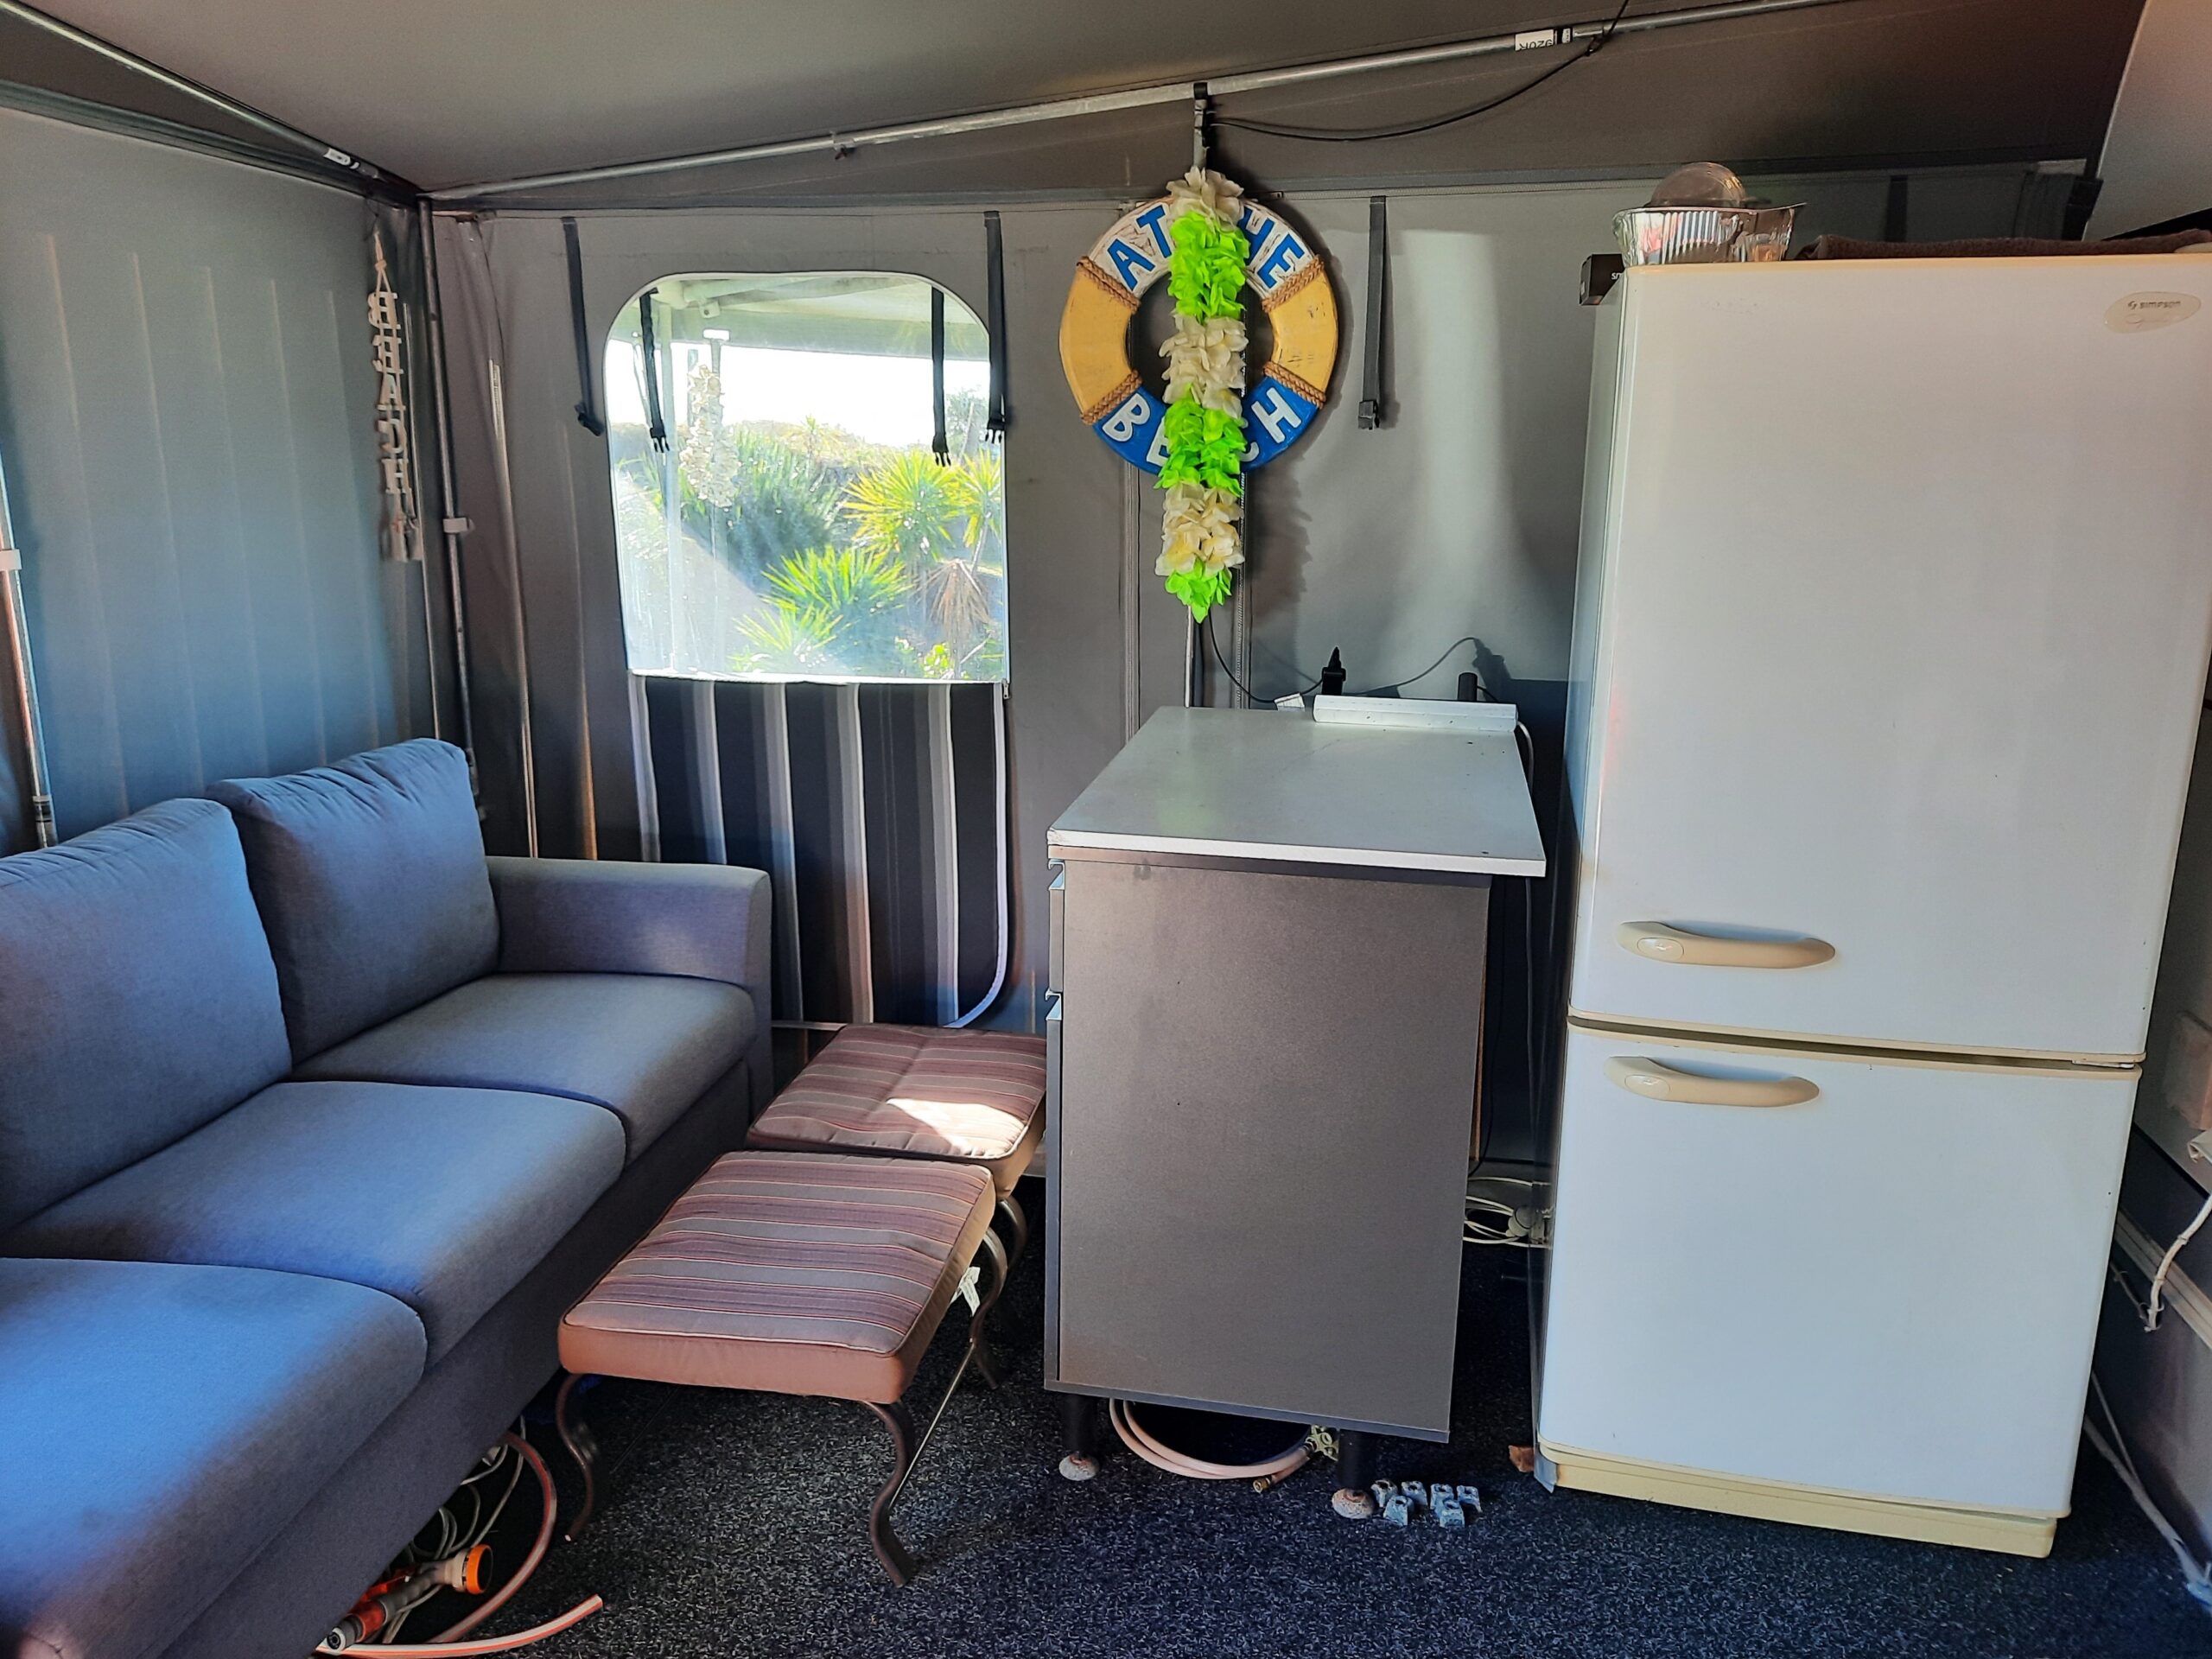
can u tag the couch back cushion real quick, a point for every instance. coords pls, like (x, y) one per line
(137, 999)
(369, 875)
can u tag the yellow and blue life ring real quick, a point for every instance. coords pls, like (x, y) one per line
(1111, 280)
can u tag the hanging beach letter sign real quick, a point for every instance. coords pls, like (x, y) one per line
(395, 454)
(1209, 428)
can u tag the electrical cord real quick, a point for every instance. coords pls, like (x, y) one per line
(1414, 679)
(506, 1592)
(450, 1643)
(450, 1537)
(1535, 1231)
(2115, 1453)
(2156, 1301)
(2152, 1305)
(1411, 129)
(1222, 657)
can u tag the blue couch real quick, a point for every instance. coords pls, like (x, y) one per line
(313, 1120)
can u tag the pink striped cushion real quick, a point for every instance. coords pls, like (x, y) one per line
(800, 1274)
(967, 1095)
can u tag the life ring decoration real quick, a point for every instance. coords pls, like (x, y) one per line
(1209, 428)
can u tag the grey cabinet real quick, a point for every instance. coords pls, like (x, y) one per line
(1263, 1066)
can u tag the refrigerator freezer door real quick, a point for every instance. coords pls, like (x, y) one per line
(1887, 1286)
(1889, 651)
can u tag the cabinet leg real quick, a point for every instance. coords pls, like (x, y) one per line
(1355, 1474)
(1078, 1436)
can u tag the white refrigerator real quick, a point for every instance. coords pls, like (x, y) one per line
(1890, 648)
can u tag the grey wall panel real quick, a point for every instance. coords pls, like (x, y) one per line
(185, 406)
(1460, 518)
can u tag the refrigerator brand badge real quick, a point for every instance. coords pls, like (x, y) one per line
(2134, 314)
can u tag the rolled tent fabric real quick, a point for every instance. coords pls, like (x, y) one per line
(555, 750)
(875, 811)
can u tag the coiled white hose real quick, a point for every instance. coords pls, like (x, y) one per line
(1160, 1456)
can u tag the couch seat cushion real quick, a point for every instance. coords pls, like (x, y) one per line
(369, 875)
(140, 1000)
(644, 1046)
(161, 1424)
(793, 1273)
(918, 1091)
(442, 1197)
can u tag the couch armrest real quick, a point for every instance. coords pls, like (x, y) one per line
(593, 916)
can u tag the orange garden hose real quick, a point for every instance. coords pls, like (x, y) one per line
(448, 1643)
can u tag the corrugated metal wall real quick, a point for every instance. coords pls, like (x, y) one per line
(186, 410)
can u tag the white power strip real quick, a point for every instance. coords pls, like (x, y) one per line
(1418, 714)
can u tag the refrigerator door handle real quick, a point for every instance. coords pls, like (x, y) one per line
(1653, 1081)
(1662, 942)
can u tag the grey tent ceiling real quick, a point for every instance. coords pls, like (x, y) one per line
(455, 91)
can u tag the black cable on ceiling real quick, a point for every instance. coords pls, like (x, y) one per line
(1408, 130)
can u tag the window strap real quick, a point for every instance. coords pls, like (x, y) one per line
(655, 424)
(587, 409)
(995, 260)
(938, 446)
(1371, 394)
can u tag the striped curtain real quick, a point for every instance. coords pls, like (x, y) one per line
(880, 813)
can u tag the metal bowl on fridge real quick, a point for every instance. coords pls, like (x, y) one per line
(1701, 215)
(1704, 236)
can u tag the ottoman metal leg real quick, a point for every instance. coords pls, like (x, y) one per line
(1018, 1220)
(979, 1326)
(900, 1421)
(581, 1446)
(888, 1550)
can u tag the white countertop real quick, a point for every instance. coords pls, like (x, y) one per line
(1274, 784)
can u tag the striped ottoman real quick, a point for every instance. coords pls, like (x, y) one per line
(972, 1097)
(792, 1274)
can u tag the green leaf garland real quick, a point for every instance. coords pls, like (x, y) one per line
(1203, 429)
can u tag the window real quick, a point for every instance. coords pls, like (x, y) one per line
(792, 520)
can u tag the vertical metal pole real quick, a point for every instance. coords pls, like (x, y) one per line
(452, 523)
(497, 379)
(26, 682)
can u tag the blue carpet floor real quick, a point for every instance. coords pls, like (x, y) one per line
(735, 1525)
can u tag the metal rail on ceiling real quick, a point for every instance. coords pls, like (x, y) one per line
(1180, 92)
(306, 143)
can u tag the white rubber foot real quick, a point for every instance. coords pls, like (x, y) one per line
(1353, 1506)
(1076, 1467)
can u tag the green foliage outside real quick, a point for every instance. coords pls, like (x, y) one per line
(849, 557)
